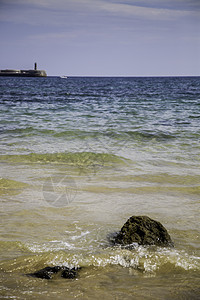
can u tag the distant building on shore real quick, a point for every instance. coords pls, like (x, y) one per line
(24, 73)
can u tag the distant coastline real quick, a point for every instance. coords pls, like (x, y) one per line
(24, 73)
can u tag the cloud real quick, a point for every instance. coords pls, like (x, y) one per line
(53, 12)
(139, 11)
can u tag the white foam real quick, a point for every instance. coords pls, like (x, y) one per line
(51, 246)
(146, 259)
(75, 237)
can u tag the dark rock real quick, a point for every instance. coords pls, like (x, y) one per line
(47, 272)
(143, 231)
(69, 273)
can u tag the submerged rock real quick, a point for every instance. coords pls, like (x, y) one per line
(143, 231)
(47, 273)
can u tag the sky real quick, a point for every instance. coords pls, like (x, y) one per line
(101, 37)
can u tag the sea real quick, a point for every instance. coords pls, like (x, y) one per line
(78, 157)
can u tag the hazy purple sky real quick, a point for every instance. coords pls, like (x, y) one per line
(101, 37)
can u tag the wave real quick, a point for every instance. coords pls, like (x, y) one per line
(149, 135)
(103, 134)
(26, 131)
(84, 159)
(17, 130)
(149, 260)
(100, 132)
(159, 178)
(11, 187)
(194, 190)
(80, 134)
(118, 135)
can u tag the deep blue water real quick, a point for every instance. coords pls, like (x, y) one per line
(111, 110)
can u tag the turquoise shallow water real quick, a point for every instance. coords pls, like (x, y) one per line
(78, 157)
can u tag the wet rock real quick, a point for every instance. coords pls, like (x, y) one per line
(69, 273)
(143, 231)
(48, 272)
